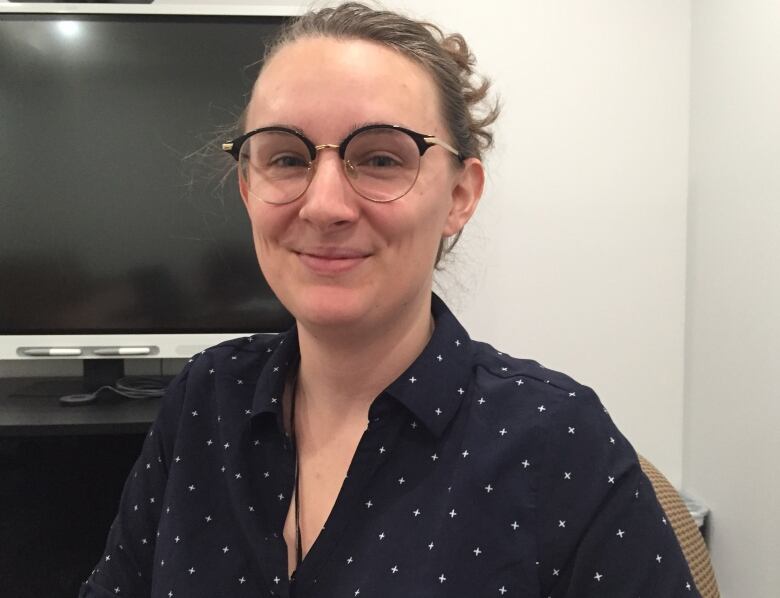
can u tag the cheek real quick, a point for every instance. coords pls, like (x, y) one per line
(267, 221)
(268, 226)
(413, 225)
(432, 206)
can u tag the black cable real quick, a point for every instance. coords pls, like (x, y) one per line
(129, 387)
(298, 548)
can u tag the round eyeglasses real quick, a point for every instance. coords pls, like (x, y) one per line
(381, 162)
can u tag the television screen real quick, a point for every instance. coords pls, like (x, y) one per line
(114, 215)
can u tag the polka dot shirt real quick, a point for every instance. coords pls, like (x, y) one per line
(478, 474)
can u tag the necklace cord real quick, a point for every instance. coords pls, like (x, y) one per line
(298, 548)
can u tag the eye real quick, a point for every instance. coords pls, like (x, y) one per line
(288, 161)
(380, 161)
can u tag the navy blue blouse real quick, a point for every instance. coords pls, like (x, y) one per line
(478, 475)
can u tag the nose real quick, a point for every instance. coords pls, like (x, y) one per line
(329, 202)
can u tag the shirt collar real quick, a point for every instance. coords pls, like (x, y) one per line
(432, 387)
(270, 385)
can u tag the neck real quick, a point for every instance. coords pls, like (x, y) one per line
(341, 372)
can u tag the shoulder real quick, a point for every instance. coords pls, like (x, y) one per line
(549, 414)
(238, 361)
(216, 382)
(526, 385)
(560, 422)
(242, 357)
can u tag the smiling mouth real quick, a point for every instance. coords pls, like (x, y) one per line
(333, 262)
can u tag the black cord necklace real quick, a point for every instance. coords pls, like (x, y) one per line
(298, 549)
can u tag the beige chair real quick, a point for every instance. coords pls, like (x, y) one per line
(685, 529)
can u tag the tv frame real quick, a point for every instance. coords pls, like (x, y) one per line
(38, 347)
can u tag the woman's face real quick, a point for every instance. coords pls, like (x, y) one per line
(333, 257)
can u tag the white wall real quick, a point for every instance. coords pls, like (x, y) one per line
(732, 442)
(577, 255)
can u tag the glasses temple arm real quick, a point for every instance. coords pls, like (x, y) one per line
(445, 145)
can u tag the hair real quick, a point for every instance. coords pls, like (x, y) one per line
(463, 93)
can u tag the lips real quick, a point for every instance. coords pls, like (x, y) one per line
(332, 260)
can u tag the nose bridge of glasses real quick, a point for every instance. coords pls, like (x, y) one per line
(349, 168)
(323, 146)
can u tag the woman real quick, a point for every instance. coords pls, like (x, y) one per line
(374, 449)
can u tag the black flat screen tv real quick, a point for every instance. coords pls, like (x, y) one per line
(120, 220)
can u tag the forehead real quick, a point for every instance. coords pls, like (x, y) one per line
(326, 87)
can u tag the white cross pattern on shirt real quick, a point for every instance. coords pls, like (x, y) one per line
(509, 409)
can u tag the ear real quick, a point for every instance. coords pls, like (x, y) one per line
(466, 192)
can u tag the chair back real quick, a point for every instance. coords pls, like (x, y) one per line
(686, 530)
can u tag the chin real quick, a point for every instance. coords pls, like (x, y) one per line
(325, 306)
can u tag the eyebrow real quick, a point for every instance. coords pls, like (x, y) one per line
(352, 129)
(282, 125)
(357, 126)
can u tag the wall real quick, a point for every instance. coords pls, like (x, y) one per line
(732, 408)
(577, 255)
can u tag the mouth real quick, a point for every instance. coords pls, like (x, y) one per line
(329, 261)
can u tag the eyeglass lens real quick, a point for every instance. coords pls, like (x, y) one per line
(380, 164)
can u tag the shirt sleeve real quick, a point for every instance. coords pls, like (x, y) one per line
(125, 567)
(601, 529)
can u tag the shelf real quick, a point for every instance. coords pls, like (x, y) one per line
(31, 407)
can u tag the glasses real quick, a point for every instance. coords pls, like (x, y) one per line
(381, 162)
